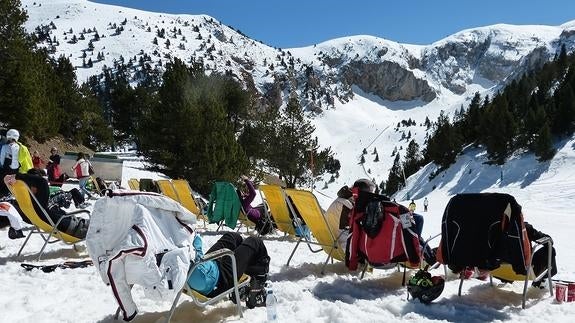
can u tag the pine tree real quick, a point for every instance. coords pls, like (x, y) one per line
(412, 158)
(394, 178)
(499, 141)
(563, 123)
(192, 137)
(471, 121)
(13, 46)
(427, 123)
(445, 143)
(291, 146)
(382, 186)
(544, 149)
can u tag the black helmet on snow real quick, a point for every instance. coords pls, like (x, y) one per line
(424, 287)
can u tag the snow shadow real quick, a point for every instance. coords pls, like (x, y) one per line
(31, 255)
(349, 291)
(295, 273)
(186, 311)
(479, 303)
(391, 105)
(453, 309)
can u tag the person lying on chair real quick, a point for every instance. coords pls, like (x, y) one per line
(539, 262)
(216, 276)
(74, 226)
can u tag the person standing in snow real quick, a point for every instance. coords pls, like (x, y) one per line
(14, 158)
(411, 206)
(425, 204)
(81, 169)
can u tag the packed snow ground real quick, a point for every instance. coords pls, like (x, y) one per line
(546, 192)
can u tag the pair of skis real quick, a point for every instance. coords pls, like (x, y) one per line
(64, 265)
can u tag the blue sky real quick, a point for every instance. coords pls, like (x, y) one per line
(298, 23)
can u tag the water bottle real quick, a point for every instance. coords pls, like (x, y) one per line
(271, 306)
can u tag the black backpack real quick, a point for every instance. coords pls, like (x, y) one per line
(373, 218)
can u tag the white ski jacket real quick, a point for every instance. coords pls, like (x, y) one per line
(143, 239)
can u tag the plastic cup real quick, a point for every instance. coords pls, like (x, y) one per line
(560, 292)
(571, 292)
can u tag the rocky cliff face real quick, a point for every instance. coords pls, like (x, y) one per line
(388, 80)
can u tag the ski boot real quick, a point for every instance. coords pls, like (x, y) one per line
(257, 291)
(244, 292)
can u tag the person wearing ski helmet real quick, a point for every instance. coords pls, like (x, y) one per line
(9, 153)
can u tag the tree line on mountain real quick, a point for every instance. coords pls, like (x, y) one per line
(39, 95)
(185, 123)
(527, 115)
(202, 127)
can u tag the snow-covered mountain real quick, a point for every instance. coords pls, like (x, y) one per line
(362, 86)
(483, 57)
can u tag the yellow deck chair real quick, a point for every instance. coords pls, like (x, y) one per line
(275, 199)
(202, 300)
(309, 209)
(505, 271)
(186, 197)
(167, 189)
(134, 184)
(245, 222)
(48, 231)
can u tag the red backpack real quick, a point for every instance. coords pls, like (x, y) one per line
(377, 235)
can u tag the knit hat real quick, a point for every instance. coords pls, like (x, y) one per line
(365, 185)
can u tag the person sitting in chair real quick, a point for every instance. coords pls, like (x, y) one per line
(246, 199)
(55, 175)
(255, 214)
(343, 205)
(539, 262)
(216, 276)
(74, 226)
